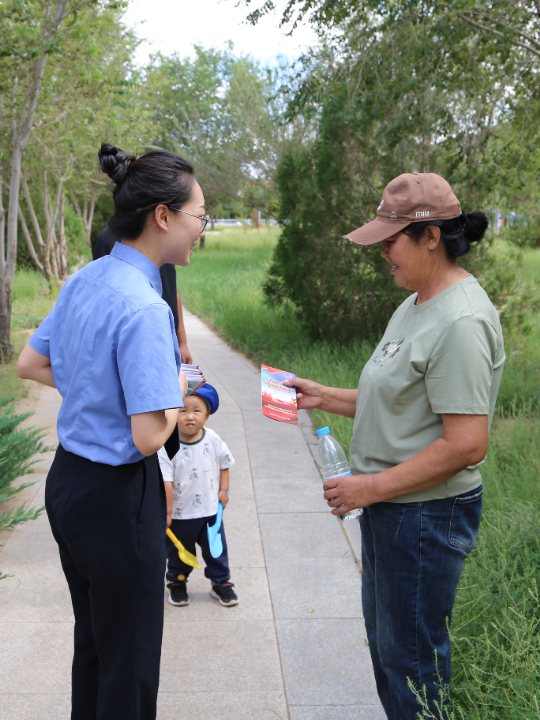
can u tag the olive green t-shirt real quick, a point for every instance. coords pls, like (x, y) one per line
(443, 356)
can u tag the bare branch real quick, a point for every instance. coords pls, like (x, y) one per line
(75, 203)
(335, 213)
(54, 120)
(77, 7)
(497, 32)
(532, 40)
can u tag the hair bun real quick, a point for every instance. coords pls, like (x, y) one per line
(114, 162)
(475, 225)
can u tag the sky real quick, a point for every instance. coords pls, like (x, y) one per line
(176, 25)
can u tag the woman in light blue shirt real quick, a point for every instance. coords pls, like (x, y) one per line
(109, 346)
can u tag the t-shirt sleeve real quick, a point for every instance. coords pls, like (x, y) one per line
(147, 361)
(460, 370)
(166, 465)
(224, 455)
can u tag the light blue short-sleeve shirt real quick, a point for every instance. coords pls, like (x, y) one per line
(114, 353)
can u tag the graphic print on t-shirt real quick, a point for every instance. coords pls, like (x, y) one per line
(389, 351)
(195, 473)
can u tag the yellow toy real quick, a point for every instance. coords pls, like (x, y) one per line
(184, 555)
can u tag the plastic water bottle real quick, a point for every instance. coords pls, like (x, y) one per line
(333, 462)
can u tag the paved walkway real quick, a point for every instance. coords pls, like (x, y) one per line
(293, 649)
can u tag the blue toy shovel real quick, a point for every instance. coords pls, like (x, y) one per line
(214, 538)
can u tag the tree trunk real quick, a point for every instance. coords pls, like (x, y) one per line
(5, 309)
(30, 244)
(9, 260)
(21, 129)
(75, 203)
(62, 246)
(88, 227)
(51, 258)
(35, 221)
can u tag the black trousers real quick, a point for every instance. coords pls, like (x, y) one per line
(191, 533)
(109, 523)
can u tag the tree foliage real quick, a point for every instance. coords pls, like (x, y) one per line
(396, 87)
(66, 81)
(221, 112)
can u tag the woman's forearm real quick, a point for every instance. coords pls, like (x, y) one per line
(339, 401)
(151, 430)
(32, 365)
(465, 443)
(169, 496)
(314, 396)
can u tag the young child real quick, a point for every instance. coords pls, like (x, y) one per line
(195, 480)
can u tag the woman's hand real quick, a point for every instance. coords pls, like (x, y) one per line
(309, 394)
(182, 378)
(349, 492)
(185, 354)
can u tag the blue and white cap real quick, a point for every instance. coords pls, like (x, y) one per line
(209, 395)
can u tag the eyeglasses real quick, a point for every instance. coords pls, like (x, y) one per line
(203, 218)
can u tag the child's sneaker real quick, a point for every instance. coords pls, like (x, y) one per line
(178, 594)
(224, 593)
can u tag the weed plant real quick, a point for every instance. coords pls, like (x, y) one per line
(495, 630)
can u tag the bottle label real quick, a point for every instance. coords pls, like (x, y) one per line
(340, 475)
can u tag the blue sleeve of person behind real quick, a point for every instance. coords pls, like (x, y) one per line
(149, 361)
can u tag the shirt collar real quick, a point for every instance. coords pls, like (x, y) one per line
(141, 262)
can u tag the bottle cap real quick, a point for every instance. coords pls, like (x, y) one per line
(323, 431)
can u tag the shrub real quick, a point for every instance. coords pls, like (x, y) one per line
(17, 448)
(341, 292)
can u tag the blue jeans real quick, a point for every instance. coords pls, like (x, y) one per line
(413, 555)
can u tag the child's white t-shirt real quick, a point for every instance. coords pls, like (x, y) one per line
(194, 472)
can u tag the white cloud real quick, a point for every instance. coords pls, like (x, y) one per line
(176, 25)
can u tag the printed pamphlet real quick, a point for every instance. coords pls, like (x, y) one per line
(278, 400)
(195, 378)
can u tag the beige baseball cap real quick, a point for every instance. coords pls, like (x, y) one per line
(411, 197)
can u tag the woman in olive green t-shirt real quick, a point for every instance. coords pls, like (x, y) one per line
(422, 413)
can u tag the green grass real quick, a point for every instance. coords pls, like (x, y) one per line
(495, 633)
(32, 299)
(223, 286)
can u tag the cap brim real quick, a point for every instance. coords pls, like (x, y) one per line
(376, 231)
